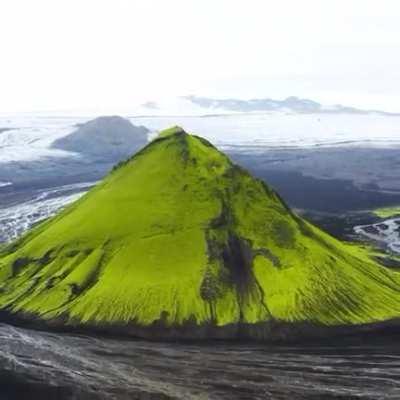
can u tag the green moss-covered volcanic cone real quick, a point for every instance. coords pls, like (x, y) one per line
(180, 242)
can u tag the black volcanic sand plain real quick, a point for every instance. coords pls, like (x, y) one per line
(47, 366)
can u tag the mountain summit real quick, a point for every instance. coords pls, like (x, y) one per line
(179, 242)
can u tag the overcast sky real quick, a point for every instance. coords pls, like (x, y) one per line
(111, 54)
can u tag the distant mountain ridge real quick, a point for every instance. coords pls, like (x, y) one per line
(291, 103)
(193, 104)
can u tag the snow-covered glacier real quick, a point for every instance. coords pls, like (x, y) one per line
(30, 137)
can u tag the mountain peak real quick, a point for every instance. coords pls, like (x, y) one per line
(175, 130)
(180, 242)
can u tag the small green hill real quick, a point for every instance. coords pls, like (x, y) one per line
(179, 242)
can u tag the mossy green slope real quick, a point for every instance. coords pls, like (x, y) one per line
(178, 234)
(387, 212)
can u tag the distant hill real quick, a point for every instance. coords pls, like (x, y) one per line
(179, 242)
(105, 138)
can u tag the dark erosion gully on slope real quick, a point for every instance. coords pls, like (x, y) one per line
(186, 245)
